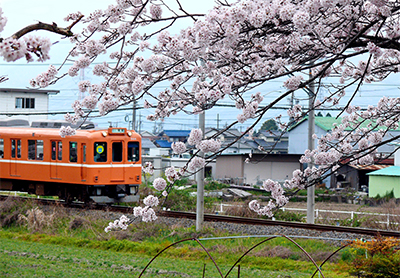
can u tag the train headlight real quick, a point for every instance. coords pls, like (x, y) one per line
(129, 133)
(104, 133)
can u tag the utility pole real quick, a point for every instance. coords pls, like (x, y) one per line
(200, 182)
(134, 115)
(311, 131)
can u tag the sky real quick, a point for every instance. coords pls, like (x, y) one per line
(21, 13)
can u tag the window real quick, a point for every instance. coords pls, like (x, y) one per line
(100, 152)
(15, 148)
(73, 152)
(35, 149)
(1, 148)
(84, 152)
(117, 151)
(56, 150)
(133, 151)
(22, 102)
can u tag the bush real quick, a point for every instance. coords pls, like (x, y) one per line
(376, 258)
(289, 216)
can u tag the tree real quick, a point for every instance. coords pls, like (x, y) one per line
(338, 45)
(269, 125)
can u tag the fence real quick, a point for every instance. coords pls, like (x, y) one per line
(321, 214)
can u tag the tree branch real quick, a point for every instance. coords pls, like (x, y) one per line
(47, 27)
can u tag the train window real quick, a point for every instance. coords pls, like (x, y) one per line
(56, 150)
(73, 153)
(35, 149)
(84, 152)
(59, 151)
(133, 151)
(15, 148)
(117, 151)
(1, 148)
(100, 152)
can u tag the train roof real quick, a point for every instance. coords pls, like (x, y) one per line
(54, 132)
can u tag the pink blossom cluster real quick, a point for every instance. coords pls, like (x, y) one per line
(178, 147)
(148, 168)
(147, 213)
(43, 79)
(67, 131)
(196, 163)
(195, 136)
(159, 184)
(3, 20)
(121, 223)
(210, 145)
(172, 174)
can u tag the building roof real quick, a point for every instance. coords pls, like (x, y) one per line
(147, 144)
(175, 133)
(327, 123)
(370, 167)
(393, 171)
(27, 90)
(163, 143)
(273, 133)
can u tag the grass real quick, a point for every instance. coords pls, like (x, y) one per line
(59, 242)
(27, 255)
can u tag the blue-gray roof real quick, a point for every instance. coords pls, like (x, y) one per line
(393, 171)
(147, 144)
(176, 133)
(163, 143)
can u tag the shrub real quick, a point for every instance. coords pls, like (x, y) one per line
(376, 258)
(289, 216)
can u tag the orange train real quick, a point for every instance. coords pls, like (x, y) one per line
(103, 166)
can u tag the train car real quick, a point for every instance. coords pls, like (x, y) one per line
(103, 166)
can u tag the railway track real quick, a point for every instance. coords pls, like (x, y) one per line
(223, 218)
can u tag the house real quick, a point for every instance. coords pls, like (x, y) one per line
(232, 168)
(356, 176)
(22, 103)
(174, 135)
(385, 180)
(147, 145)
(298, 134)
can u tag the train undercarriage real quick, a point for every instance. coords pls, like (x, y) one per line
(120, 193)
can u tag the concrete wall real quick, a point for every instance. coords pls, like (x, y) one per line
(261, 167)
(278, 171)
(230, 166)
(384, 184)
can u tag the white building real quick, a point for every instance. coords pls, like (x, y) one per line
(27, 104)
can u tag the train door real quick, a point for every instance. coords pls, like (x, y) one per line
(55, 159)
(83, 163)
(117, 164)
(15, 156)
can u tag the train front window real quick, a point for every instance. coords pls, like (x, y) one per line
(117, 151)
(100, 152)
(133, 151)
(73, 152)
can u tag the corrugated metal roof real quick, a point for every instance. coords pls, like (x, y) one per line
(370, 167)
(393, 171)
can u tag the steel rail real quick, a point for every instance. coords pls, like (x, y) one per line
(221, 218)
